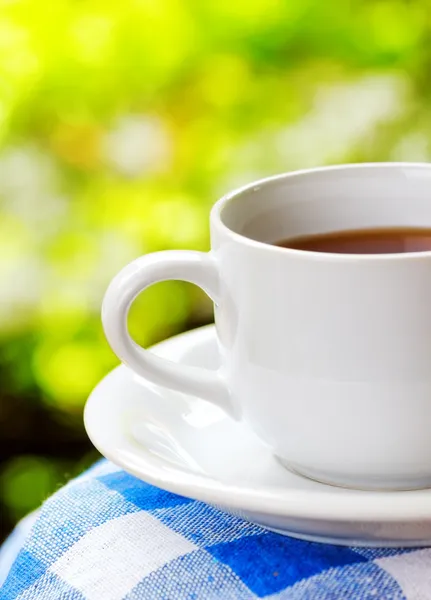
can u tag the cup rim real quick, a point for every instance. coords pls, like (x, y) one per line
(220, 205)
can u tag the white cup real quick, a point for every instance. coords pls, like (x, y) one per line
(327, 357)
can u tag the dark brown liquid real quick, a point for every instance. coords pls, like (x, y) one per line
(365, 241)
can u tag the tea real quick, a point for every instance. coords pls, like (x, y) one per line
(364, 241)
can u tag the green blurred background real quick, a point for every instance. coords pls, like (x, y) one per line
(120, 124)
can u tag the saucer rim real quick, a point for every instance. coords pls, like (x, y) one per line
(358, 505)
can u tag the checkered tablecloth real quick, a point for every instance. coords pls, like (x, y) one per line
(109, 536)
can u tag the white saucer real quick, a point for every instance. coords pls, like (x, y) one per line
(189, 447)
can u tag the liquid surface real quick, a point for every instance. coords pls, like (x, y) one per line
(364, 241)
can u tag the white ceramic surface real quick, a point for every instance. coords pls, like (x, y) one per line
(326, 356)
(190, 447)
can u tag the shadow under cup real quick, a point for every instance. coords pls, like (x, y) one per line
(328, 356)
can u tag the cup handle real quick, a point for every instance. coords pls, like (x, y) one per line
(195, 267)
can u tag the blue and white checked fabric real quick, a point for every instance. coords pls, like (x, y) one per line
(109, 536)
